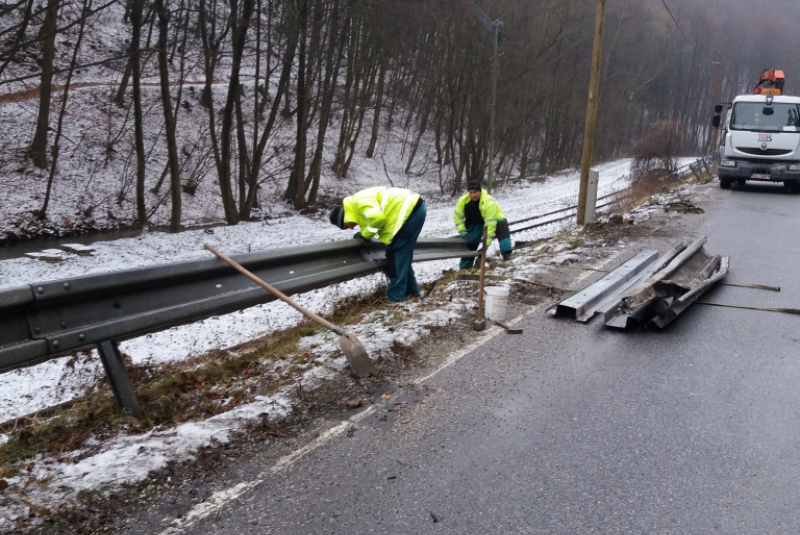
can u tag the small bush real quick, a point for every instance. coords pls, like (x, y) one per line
(655, 156)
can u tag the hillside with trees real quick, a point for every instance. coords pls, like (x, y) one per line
(138, 107)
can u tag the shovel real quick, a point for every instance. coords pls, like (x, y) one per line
(480, 323)
(357, 357)
(508, 328)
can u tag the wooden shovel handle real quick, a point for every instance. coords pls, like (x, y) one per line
(483, 271)
(274, 291)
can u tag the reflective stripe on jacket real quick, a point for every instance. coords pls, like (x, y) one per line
(380, 211)
(490, 211)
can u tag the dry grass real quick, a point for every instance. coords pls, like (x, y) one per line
(641, 190)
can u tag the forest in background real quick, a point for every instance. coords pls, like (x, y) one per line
(249, 91)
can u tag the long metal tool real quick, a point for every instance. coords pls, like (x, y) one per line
(357, 357)
(795, 311)
(754, 286)
(480, 323)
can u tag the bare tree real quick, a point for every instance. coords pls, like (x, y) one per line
(169, 119)
(38, 149)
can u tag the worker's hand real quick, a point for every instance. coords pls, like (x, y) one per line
(360, 236)
(463, 234)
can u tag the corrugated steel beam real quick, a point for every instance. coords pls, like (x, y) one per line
(584, 304)
(46, 319)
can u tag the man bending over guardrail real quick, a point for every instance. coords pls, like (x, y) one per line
(395, 216)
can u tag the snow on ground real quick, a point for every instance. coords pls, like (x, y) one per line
(127, 459)
(55, 382)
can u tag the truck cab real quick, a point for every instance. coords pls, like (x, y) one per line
(761, 141)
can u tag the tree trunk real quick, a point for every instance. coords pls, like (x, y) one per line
(169, 118)
(376, 118)
(56, 147)
(38, 149)
(137, 8)
(296, 191)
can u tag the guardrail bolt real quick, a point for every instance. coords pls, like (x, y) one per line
(40, 290)
(81, 337)
(66, 286)
(55, 344)
(37, 330)
(63, 324)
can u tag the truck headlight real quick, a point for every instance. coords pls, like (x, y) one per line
(794, 167)
(728, 163)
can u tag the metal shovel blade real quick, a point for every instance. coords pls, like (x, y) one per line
(357, 357)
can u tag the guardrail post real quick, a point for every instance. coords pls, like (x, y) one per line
(118, 377)
(591, 196)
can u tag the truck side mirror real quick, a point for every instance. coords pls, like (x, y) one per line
(715, 121)
(718, 108)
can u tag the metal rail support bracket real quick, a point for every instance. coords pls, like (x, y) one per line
(118, 378)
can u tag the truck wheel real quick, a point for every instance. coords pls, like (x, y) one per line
(724, 182)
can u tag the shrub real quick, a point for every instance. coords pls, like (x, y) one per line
(656, 154)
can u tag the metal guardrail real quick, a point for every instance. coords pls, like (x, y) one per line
(701, 164)
(44, 320)
(692, 167)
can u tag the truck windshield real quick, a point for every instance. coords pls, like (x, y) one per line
(759, 117)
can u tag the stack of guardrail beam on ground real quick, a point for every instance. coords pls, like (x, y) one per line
(649, 289)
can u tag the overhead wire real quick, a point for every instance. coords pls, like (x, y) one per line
(673, 19)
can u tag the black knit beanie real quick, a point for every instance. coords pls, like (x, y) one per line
(337, 216)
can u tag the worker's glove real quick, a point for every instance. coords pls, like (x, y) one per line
(361, 237)
(463, 234)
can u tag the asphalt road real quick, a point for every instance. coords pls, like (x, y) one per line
(572, 428)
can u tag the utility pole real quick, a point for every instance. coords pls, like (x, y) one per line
(495, 27)
(716, 101)
(591, 110)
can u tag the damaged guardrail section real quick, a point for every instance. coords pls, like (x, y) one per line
(649, 290)
(43, 320)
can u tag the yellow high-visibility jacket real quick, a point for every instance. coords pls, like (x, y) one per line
(380, 211)
(490, 211)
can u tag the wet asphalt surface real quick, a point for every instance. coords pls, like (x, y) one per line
(572, 428)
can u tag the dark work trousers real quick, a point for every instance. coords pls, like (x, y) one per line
(400, 253)
(474, 237)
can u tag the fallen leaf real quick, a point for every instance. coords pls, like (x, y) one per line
(385, 396)
(356, 403)
(3, 484)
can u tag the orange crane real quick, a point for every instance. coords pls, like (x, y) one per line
(770, 82)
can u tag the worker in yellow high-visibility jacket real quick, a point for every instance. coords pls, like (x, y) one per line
(395, 216)
(474, 210)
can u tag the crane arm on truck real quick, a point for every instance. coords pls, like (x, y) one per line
(770, 82)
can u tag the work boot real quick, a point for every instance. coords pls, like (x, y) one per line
(507, 255)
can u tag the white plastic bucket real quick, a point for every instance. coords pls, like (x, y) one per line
(496, 298)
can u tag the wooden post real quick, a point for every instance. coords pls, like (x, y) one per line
(480, 323)
(591, 110)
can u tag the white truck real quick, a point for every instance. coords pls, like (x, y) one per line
(760, 140)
